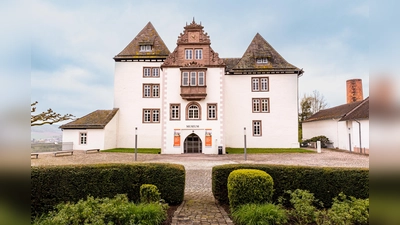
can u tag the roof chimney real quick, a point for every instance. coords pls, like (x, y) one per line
(354, 90)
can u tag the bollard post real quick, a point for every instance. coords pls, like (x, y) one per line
(319, 146)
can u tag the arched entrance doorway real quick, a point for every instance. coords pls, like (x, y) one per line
(192, 144)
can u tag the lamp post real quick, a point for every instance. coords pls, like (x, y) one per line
(135, 143)
(245, 150)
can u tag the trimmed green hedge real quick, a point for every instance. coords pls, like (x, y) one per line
(249, 186)
(51, 185)
(326, 183)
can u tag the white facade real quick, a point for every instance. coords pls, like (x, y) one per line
(333, 129)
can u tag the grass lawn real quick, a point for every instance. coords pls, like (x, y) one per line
(267, 150)
(132, 150)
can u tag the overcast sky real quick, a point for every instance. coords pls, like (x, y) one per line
(73, 42)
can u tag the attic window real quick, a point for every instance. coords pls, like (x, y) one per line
(145, 48)
(262, 60)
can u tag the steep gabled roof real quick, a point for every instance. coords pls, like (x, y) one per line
(259, 48)
(147, 36)
(337, 112)
(95, 120)
(360, 112)
(230, 62)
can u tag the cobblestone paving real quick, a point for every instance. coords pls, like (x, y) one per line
(199, 205)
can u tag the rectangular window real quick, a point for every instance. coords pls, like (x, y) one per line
(201, 78)
(188, 54)
(151, 115)
(260, 84)
(151, 90)
(145, 48)
(262, 60)
(175, 111)
(257, 128)
(212, 111)
(192, 78)
(156, 72)
(185, 79)
(198, 54)
(146, 71)
(260, 105)
(83, 138)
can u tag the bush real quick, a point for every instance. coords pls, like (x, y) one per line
(325, 183)
(349, 210)
(254, 214)
(117, 210)
(324, 141)
(149, 193)
(302, 207)
(249, 186)
(51, 185)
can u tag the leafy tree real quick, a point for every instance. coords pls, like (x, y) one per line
(47, 117)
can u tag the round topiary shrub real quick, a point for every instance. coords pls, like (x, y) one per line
(149, 193)
(249, 186)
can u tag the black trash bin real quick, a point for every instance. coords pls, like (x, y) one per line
(219, 150)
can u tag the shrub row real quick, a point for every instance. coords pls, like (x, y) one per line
(325, 183)
(52, 185)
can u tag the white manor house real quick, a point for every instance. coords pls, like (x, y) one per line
(192, 101)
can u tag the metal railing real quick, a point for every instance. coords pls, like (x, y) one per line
(51, 147)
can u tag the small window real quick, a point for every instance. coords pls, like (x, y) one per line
(156, 72)
(260, 84)
(151, 115)
(145, 48)
(212, 111)
(201, 79)
(185, 79)
(146, 72)
(175, 111)
(260, 105)
(262, 60)
(83, 138)
(198, 53)
(188, 54)
(151, 90)
(257, 128)
(193, 111)
(192, 78)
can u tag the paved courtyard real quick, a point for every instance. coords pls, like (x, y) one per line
(199, 205)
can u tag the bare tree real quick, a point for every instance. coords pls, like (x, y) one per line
(311, 104)
(47, 117)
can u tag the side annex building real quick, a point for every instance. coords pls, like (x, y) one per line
(192, 101)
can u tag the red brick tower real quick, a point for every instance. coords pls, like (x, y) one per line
(354, 90)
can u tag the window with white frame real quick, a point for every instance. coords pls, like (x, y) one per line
(151, 72)
(145, 48)
(175, 111)
(198, 53)
(260, 105)
(257, 128)
(188, 53)
(83, 138)
(151, 115)
(151, 90)
(260, 84)
(194, 78)
(201, 78)
(212, 111)
(262, 60)
(185, 79)
(193, 111)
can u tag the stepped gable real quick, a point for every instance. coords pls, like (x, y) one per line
(147, 36)
(94, 120)
(259, 48)
(193, 36)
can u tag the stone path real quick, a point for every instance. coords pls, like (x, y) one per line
(199, 205)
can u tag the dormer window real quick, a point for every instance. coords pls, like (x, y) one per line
(145, 48)
(262, 60)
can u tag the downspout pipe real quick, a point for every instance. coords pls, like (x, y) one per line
(359, 133)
